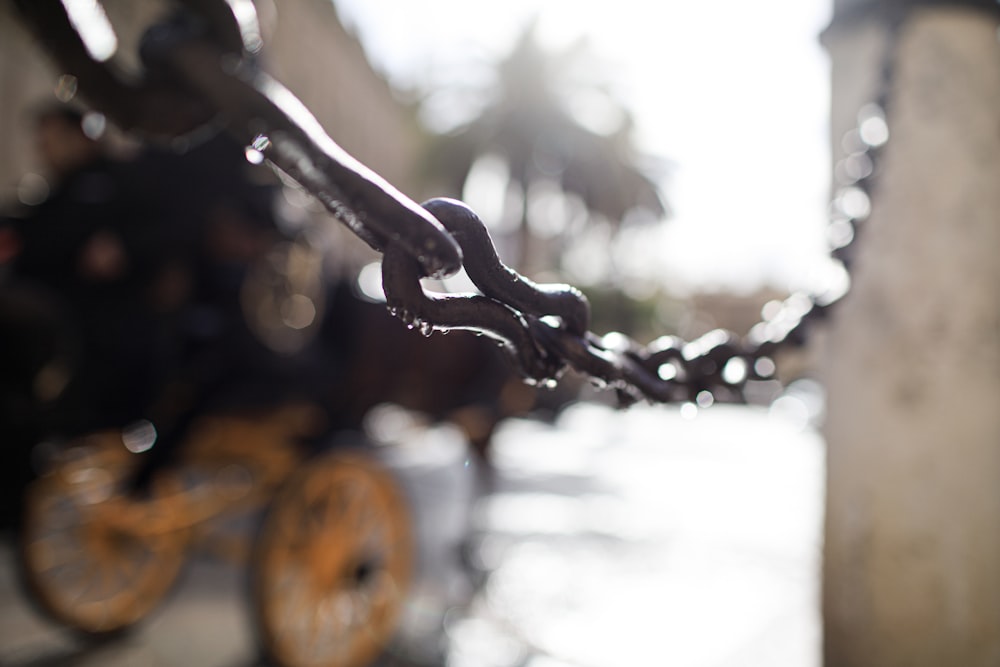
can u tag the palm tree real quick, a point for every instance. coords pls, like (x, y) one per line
(560, 148)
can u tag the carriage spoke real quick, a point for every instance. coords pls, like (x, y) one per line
(352, 561)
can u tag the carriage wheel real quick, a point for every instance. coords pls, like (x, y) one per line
(84, 562)
(332, 564)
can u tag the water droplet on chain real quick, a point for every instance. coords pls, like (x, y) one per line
(255, 151)
(253, 155)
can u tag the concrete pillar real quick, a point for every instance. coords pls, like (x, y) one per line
(912, 544)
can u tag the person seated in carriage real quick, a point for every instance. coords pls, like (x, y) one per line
(144, 263)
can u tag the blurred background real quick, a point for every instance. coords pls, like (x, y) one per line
(674, 162)
(576, 132)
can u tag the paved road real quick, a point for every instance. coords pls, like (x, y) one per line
(646, 537)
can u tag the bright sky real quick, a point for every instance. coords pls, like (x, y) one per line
(733, 93)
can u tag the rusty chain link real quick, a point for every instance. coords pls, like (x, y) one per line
(200, 68)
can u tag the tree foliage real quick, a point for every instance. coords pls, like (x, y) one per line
(556, 129)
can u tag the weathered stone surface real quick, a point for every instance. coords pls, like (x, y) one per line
(911, 572)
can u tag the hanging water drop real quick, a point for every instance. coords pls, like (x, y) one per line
(255, 151)
(253, 155)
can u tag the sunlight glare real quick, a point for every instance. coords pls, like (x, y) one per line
(370, 282)
(595, 111)
(298, 311)
(485, 188)
(853, 202)
(139, 436)
(735, 371)
(547, 209)
(32, 189)
(738, 107)
(872, 127)
(91, 23)
(93, 125)
(840, 233)
(667, 371)
(764, 367)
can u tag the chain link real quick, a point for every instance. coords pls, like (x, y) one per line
(201, 68)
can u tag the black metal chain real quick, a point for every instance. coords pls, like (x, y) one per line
(200, 68)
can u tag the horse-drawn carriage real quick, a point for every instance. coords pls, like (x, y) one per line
(330, 561)
(322, 524)
(159, 428)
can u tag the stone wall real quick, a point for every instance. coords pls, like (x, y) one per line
(911, 574)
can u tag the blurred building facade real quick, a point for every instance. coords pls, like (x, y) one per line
(913, 356)
(306, 48)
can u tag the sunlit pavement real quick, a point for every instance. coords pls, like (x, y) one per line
(646, 537)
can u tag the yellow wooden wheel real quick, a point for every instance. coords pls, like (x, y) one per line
(90, 558)
(332, 564)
